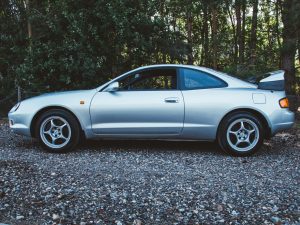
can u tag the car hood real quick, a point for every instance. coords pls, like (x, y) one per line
(63, 98)
(64, 93)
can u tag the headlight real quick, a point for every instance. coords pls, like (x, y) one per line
(15, 108)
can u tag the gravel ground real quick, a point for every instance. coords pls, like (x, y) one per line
(148, 182)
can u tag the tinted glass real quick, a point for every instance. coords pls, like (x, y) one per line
(159, 79)
(194, 79)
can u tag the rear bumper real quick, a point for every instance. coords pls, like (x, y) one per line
(283, 121)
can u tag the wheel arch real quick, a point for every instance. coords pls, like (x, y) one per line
(256, 113)
(45, 109)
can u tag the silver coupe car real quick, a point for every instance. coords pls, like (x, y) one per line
(160, 102)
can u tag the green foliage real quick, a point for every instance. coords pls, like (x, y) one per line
(82, 43)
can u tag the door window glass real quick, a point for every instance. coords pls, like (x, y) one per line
(157, 79)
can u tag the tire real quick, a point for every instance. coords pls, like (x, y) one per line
(58, 131)
(240, 134)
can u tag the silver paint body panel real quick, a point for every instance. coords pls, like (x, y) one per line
(137, 113)
(194, 115)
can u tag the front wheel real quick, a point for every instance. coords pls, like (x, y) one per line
(58, 131)
(240, 134)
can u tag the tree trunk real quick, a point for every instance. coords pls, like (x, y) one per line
(202, 45)
(29, 29)
(253, 38)
(238, 28)
(206, 40)
(239, 38)
(234, 33)
(214, 35)
(189, 25)
(277, 10)
(269, 26)
(299, 46)
(289, 45)
(162, 14)
(243, 34)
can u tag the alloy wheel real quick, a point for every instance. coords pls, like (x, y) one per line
(55, 132)
(242, 135)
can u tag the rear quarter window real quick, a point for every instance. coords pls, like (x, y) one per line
(196, 79)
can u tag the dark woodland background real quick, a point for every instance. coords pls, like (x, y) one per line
(51, 45)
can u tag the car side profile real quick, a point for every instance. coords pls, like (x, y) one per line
(160, 102)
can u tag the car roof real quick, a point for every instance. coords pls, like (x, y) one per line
(232, 82)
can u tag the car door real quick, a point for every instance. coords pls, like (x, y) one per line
(147, 103)
(206, 99)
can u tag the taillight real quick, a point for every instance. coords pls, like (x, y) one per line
(284, 103)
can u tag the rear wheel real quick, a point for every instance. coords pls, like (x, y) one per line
(240, 134)
(58, 131)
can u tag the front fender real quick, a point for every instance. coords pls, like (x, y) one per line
(76, 102)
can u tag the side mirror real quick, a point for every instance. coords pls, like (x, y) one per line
(114, 86)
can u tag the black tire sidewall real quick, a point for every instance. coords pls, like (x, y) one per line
(75, 130)
(222, 137)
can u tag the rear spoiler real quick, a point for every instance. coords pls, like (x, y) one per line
(272, 81)
(269, 81)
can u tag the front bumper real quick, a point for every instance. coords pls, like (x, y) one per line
(283, 121)
(19, 123)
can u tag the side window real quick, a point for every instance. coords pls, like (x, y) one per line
(157, 79)
(195, 79)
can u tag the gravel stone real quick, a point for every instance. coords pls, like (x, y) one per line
(55, 217)
(20, 217)
(148, 182)
(275, 219)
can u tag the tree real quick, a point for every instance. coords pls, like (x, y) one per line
(243, 33)
(205, 56)
(238, 7)
(290, 17)
(189, 25)
(253, 38)
(73, 44)
(214, 33)
(278, 34)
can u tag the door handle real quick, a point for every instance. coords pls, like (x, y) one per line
(171, 100)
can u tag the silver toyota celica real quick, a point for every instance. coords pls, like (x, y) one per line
(160, 102)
